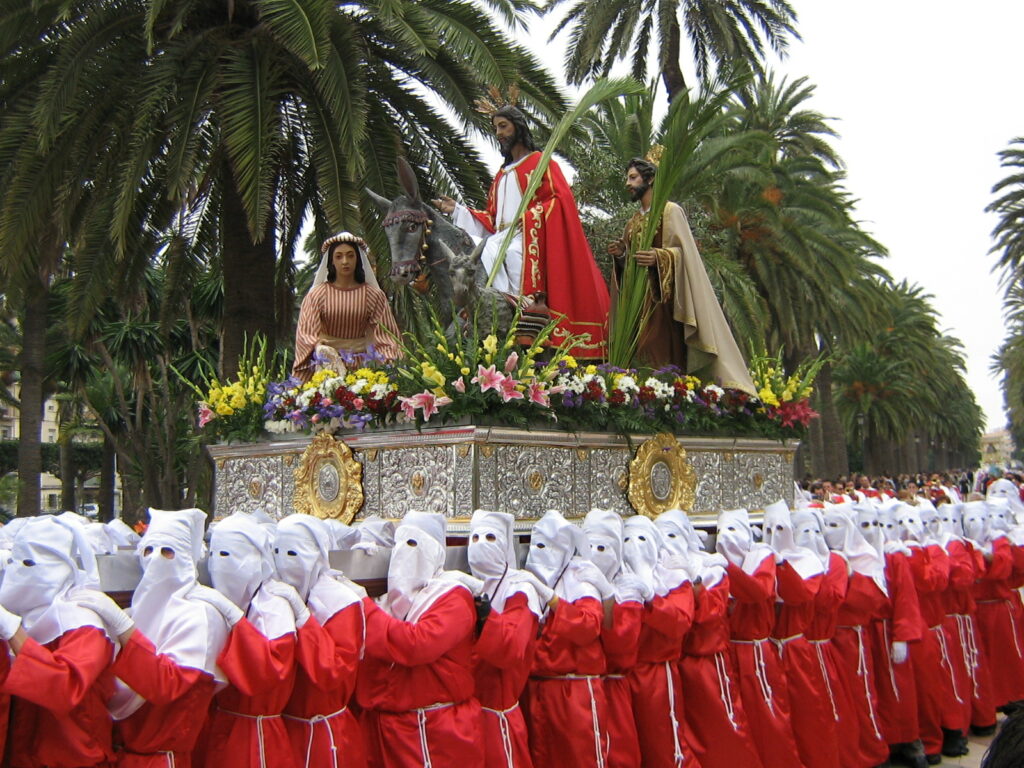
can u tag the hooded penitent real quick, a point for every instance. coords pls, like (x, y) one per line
(780, 536)
(686, 542)
(642, 546)
(554, 541)
(242, 561)
(808, 531)
(492, 558)
(42, 569)
(603, 529)
(735, 540)
(975, 522)
(888, 520)
(911, 522)
(163, 606)
(301, 549)
(869, 524)
(417, 563)
(844, 536)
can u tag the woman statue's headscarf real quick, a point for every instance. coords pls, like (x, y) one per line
(361, 248)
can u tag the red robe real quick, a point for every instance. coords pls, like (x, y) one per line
(177, 702)
(557, 259)
(898, 620)
(318, 719)
(245, 727)
(997, 625)
(655, 684)
(838, 709)
(973, 678)
(933, 670)
(718, 727)
(566, 707)
(416, 686)
(620, 649)
(813, 715)
(861, 741)
(504, 655)
(762, 681)
(59, 717)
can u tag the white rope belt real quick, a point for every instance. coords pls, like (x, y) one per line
(818, 644)
(677, 748)
(565, 677)
(312, 722)
(421, 722)
(506, 731)
(259, 730)
(762, 669)
(724, 688)
(1013, 623)
(614, 676)
(598, 752)
(940, 633)
(862, 672)
(888, 657)
(968, 648)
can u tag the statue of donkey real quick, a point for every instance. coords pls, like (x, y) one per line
(427, 249)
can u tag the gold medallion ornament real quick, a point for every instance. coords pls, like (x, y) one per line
(660, 477)
(328, 480)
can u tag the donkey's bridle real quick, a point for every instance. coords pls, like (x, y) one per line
(412, 216)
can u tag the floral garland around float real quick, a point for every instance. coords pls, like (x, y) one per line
(496, 379)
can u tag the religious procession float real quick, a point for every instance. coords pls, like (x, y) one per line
(526, 387)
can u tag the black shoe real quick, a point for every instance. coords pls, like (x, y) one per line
(954, 744)
(983, 730)
(1011, 708)
(910, 753)
(933, 759)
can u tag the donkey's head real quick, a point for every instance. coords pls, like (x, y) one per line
(407, 222)
(464, 269)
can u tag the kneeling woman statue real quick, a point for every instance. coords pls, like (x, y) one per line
(345, 310)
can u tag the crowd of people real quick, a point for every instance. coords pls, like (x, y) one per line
(839, 634)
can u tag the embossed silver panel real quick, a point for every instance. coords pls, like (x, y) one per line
(457, 469)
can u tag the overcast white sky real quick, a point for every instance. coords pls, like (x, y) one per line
(925, 94)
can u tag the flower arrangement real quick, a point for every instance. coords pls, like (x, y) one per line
(233, 409)
(474, 375)
(351, 392)
(785, 398)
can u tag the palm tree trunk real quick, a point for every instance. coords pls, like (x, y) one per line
(833, 437)
(248, 270)
(68, 501)
(672, 76)
(30, 414)
(107, 481)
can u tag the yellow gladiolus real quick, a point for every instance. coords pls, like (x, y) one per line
(490, 344)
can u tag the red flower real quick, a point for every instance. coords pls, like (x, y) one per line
(617, 397)
(647, 395)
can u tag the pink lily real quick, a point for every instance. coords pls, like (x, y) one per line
(430, 403)
(488, 378)
(409, 406)
(205, 415)
(460, 385)
(512, 362)
(509, 391)
(538, 395)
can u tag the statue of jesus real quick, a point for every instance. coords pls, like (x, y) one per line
(549, 257)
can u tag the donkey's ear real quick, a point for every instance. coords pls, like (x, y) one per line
(407, 178)
(382, 202)
(478, 252)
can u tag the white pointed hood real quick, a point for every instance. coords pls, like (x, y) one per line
(603, 529)
(808, 527)
(49, 557)
(780, 536)
(643, 545)
(492, 558)
(415, 573)
(554, 542)
(843, 536)
(301, 549)
(735, 540)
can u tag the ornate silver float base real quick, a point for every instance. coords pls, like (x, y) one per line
(454, 470)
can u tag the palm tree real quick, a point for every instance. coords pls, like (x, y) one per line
(1009, 206)
(721, 36)
(228, 124)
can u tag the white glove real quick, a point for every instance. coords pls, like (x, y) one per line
(9, 623)
(544, 592)
(712, 559)
(288, 593)
(473, 584)
(585, 570)
(366, 547)
(629, 586)
(117, 621)
(899, 652)
(779, 558)
(232, 613)
(891, 547)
